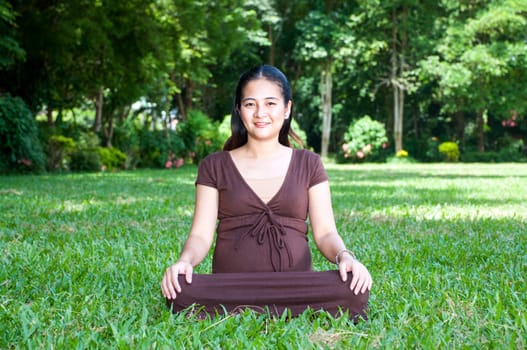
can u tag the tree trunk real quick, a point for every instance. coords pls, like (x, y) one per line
(181, 106)
(109, 132)
(397, 93)
(460, 128)
(325, 90)
(49, 114)
(397, 71)
(99, 101)
(481, 131)
(272, 48)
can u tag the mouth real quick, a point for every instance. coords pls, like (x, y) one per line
(261, 124)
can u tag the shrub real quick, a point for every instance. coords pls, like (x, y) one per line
(112, 158)
(364, 141)
(85, 160)
(432, 152)
(450, 151)
(86, 157)
(200, 136)
(127, 138)
(20, 147)
(59, 149)
(301, 134)
(155, 147)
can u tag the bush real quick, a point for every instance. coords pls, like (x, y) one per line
(156, 147)
(85, 160)
(86, 157)
(364, 140)
(200, 136)
(20, 147)
(512, 153)
(127, 138)
(450, 151)
(432, 152)
(59, 150)
(112, 158)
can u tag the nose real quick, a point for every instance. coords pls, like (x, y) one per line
(261, 111)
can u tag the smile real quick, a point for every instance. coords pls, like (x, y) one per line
(261, 124)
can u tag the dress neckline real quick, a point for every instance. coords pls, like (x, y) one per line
(246, 184)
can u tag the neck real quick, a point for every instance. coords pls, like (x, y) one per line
(263, 149)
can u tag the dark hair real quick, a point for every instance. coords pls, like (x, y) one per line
(238, 131)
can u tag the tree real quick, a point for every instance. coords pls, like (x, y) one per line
(10, 50)
(324, 43)
(481, 65)
(395, 37)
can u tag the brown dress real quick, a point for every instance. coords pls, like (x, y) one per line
(261, 258)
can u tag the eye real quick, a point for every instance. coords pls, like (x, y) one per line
(248, 104)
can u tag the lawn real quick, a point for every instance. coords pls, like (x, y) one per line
(82, 257)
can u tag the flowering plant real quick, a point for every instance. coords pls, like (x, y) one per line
(402, 154)
(364, 140)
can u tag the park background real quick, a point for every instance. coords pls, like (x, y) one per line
(107, 107)
(143, 84)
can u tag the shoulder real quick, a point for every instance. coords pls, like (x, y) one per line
(210, 169)
(307, 155)
(214, 158)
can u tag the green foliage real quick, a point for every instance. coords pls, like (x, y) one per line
(364, 140)
(85, 160)
(450, 151)
(155, 147)
(85, 156)
(510, 153)
(20, 147)
(10, 50)
(200, 135)
(59, 149)
(300, 133)
(83, 256)
(224, 129)
(112, 158)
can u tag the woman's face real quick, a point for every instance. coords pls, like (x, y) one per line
(263, 109)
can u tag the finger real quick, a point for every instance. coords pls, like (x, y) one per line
(188, 276)
(366, 286)
(343, 273)
(162, 285)
(168, 291)
(175, 283)
(354, 281)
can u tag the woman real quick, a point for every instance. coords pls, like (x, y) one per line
(261, 191)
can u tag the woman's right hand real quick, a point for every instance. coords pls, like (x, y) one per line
(170, 284)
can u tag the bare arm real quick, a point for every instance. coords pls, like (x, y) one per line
(328, 240)
(198, 242)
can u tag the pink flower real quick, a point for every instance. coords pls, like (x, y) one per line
(26, 162)
(345, 147)
(168, 164)
(384, 145)
(360, 154)
(367, 148)
(179, 163)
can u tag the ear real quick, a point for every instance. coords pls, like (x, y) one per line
(288, 109)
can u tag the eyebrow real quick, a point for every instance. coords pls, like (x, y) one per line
(265, 98)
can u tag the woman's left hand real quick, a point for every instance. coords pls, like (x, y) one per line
(361, 280)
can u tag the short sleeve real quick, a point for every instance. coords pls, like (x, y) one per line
(318, 172)
(206, 172)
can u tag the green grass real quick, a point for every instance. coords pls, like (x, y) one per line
(82, 257)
